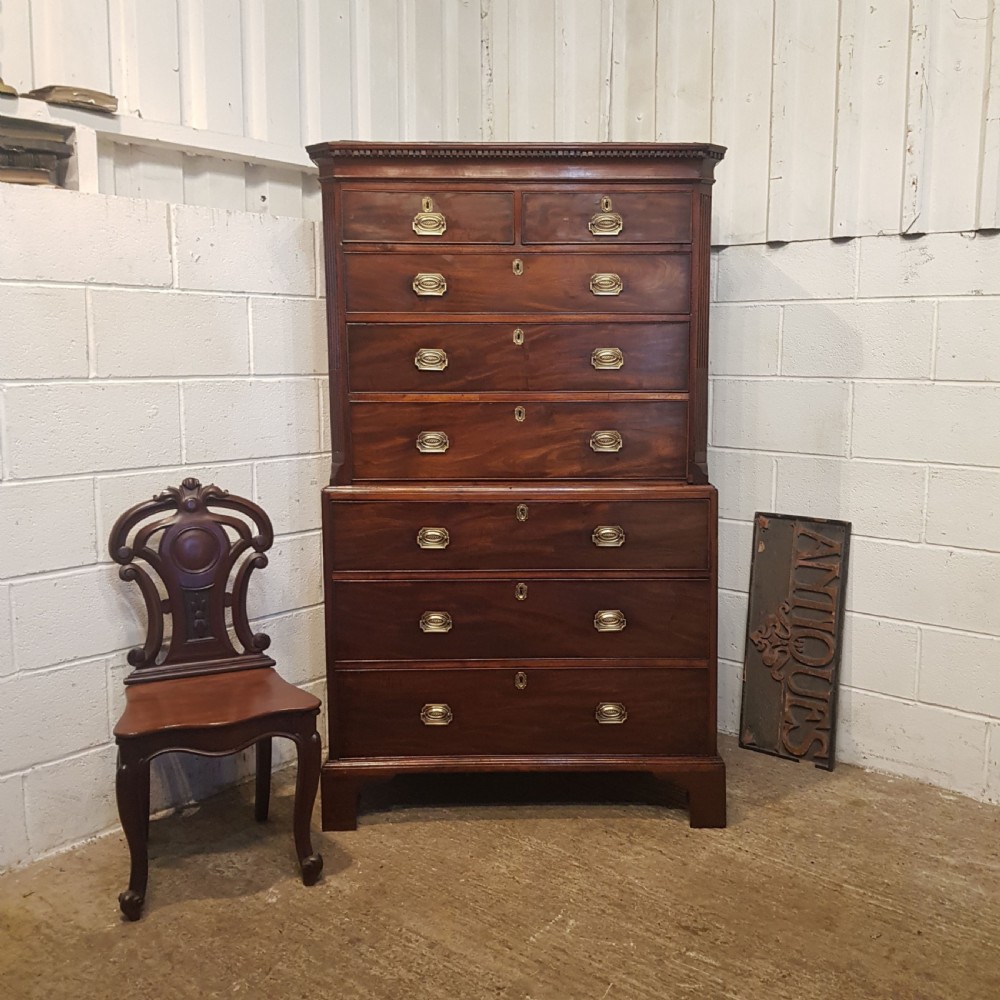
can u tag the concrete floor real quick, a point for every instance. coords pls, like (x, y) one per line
(825, 886)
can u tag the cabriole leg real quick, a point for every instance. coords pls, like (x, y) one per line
(132, 791)
(306, 783)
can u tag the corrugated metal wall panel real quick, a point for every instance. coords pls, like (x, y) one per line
(843, 117)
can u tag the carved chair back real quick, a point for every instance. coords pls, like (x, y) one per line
(193, 557)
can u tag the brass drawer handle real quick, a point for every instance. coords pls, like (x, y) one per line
(428, 222)
(610, 713)
(611, 620)
(435, 621)
(603, 358)
(433, 359)
(430, 283)
(433, 538)
(606, 222)
(436, 714)
(606, 536)
(600, 284)
(433, 442)
(606, 441)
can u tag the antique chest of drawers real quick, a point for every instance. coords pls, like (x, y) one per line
(519, 534)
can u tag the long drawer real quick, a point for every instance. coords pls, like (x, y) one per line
(609, 282)
(583, 534)
(520, 710)
(475, 357)
(536, 440)
(434, 619)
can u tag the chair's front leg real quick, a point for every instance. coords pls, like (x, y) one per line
(262, 798)
(132, 791)
(306, 783)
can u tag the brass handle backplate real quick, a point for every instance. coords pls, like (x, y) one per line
(603, 358)
(434, 538)
(433, 442)
(433, 359)
(431, 283)
(605, 536)
(436, 714)
(611, 620)
(606, 222)
(610, 713)
(606, 441)
(427, 222)
(600, 284)
(436, 621)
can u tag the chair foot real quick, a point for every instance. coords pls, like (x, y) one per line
(311, 868)
(131, 904)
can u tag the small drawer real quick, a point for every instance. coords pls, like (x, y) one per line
(441, 283)
(519, 534)
(521, 710)
(537, 618)
(641, 439)
(606, 217)
(427, 217)
(484, 357)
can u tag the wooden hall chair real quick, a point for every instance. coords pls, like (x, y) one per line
(194, 691)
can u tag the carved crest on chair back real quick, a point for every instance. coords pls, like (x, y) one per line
(195, 558)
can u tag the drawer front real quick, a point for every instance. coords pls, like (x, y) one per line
(536, 440)
(647, 711)
(486, 282)
(587, 217)
(432, 619)
(470, 357)
(599, 535)
(405, 216)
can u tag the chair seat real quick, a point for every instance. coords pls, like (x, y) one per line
(209, 701)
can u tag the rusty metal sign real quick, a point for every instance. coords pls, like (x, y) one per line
(795, 627)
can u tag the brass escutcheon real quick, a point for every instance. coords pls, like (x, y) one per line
(606, 222)
(520, 680)
(521, 591)
(608, 536)
(610, 713)
(611, 620)
(519, 414)
(435, 621)
(606, 441)
(605, 358)
(428, 222)
(431, 283)
(431, 359)
(518, 266)
(433, 538)
(518, 336)
(432, 442)
(436, 714)
(604, 284)
(521, 512)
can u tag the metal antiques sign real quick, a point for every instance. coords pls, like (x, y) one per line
(795, 627)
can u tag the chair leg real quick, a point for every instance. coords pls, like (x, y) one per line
(306, 783)
(262, 798)
(131, 789)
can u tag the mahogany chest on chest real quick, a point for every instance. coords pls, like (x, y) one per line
(519, 534)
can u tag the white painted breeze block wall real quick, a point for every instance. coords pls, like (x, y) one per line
(140, 343)
(861, 381)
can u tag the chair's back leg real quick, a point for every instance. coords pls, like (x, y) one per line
(262, 798)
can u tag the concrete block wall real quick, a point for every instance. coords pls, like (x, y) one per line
(140, 343)
(861, 380)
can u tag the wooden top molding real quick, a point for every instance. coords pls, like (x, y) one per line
(353, 158)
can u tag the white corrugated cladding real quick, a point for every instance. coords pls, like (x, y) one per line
(842, 117)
